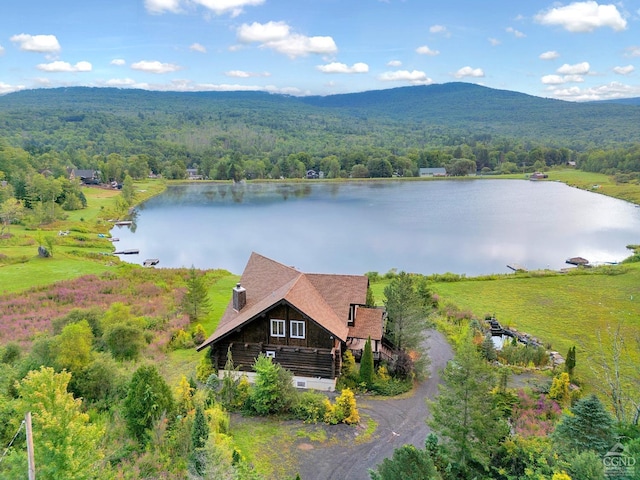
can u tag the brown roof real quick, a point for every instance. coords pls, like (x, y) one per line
(368, 323)
(323, 298)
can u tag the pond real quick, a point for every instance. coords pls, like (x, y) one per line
(470, 227)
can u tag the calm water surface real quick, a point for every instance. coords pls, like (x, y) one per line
(473, 227)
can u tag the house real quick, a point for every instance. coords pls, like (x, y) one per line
(192, 173)
(433, 172)
(312, 174)
(87, 177)
(305, 322)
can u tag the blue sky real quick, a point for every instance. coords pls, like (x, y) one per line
(575, 51)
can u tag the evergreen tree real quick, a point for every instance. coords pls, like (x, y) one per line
(588, 427)
(488, 349)
(199, 436)
(148, 398)
(406, 323)
(407, 463)
(464, 413)
(196, 302)
(366, 364)
(570, 361)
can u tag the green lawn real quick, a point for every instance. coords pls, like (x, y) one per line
(562, 310)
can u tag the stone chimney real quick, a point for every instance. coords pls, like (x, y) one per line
(239, 297)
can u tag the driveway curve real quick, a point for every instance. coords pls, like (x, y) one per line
(400, 421)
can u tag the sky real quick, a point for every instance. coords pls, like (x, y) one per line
(575, 51)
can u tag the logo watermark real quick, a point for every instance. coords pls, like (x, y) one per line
(618, 464)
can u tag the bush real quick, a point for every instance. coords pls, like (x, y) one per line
(310, 407)
(205, 368)
(343, 411)
(273, 391)
(124, 341)
(181, 340)
(391, 386)
(10, 353)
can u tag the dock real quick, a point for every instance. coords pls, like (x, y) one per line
(123, 223)
(579, 261)
(127, 252)
(516, 268)
(150, 262)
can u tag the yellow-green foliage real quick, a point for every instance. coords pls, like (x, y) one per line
(348, 364)
(560, 389)
(184, 396)
(383, 373)
(343, 411)
(560, 476)
(181, 339)
(205, 368)
(218, 419)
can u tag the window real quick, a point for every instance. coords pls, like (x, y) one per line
(277, 328)
(296, 329)
(270, 354)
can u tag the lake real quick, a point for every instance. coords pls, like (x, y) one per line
(468, 227)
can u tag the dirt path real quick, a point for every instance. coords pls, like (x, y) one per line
(400, 421)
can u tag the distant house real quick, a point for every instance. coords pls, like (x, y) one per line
(433, 172)
(193, 174)
(305, 322)
(312, 174)
(87, 177)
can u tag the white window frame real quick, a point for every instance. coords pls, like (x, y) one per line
(270, 354)
(278, 328)
(296, 326)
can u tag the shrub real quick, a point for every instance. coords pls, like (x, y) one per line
(10, 353)
(273, 391)
(181, 340)
(366, 364)
(391, 386)
(343, 411)
(198, 334)
(310, 407)
(205, 368)
(124, 341)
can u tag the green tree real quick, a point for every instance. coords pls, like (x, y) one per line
(489, 349)
(588, 427)
(11, 210)
(128, 191)
(366, 364)
(199, 436)
(148, 398)
(405, 322)
(72, 348)
(559, 390)
(407, 463)
(570, 361)
(66, 444)
(464, 412)
(196, 301)
(124, 341)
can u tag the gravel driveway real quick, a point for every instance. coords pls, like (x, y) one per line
(400, 421)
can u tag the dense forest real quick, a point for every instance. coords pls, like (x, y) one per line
(238, 135)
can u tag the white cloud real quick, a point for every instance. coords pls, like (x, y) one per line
(516, 33)
(6, 88)
(633, 52)
(577, 69)
(336, 67)
(415, 77)
(263, 32)
(119, 62)
(37, 43)
(59, 66)
(583, 17)
(278, 36)
(469, 72)
(562, 79)
(624, 70)
(196, 47)
(494, 42)
(243, 74)
(232, 7)
(608, 91)
(550, 55)
(219, 7)
(1, 50)
(439, 29)
(155, 67)
(425, 50)
(394, 63)
(121, 82)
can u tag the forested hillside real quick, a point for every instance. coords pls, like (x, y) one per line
(259, 135)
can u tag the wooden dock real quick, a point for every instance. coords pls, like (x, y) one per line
(127, 252)
(516, 268)
(150, 262)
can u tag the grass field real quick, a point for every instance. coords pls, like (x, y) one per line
(562, 310)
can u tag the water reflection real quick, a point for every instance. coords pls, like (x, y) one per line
(472, 227)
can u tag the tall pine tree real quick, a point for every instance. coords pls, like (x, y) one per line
(196, 302)
(366, 364)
